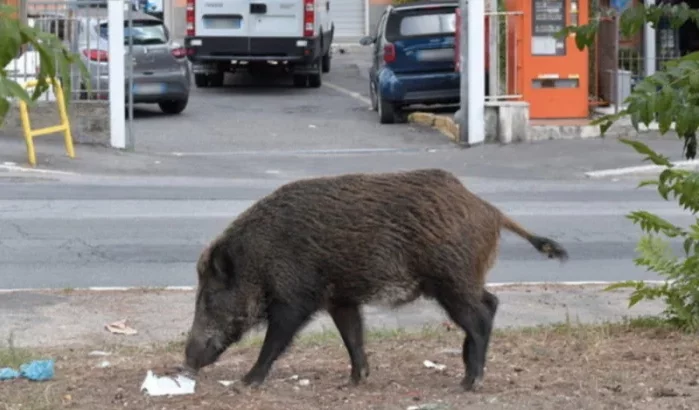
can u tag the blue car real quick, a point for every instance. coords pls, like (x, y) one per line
(413, 58)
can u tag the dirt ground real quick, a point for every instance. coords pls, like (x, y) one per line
(625, 366)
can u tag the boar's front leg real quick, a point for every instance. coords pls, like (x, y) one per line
(348, 320)
(283, 322)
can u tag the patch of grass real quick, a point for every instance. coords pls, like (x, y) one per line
(569, 328)
(12, 356)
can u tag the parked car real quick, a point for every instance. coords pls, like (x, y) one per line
(225, 35)
(161, 72)
(413, 57)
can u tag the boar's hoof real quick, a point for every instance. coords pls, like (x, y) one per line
(253, 380)
(358, 376)
(472, 384)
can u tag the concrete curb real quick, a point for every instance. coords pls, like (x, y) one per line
(647, 170)
(492, 285)
(446, 125)
(442, 123)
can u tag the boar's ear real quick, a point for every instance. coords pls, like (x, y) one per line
(220, 263)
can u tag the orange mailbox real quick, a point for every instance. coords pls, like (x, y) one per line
(551, 74)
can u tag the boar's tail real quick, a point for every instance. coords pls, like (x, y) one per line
(543, 245)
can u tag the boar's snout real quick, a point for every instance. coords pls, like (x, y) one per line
(200, 352)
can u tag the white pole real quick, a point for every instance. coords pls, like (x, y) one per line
(494, 30)
(475, 61)
(461, 115)
(650, 53)
(117, 93)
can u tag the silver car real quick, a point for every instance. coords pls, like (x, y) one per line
(161, 71)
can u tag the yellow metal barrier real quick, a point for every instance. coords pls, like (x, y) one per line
(63, 127)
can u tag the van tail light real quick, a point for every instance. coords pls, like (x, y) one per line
(179, 52)
(309, 16)
(389, 53)
(190, 18)
(96, 55)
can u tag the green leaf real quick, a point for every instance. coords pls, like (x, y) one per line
(642, 148)
(15, 90)
(621, 285)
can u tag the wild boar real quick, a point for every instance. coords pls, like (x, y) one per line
(337, 243)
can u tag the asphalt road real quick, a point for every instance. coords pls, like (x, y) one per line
(149, 232)
(266, 112)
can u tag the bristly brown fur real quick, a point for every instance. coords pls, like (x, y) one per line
(337, 243)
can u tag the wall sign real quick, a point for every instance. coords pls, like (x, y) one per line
(548, 18)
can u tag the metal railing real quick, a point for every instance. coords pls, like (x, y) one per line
(504, 31)
(74, 23)
(620, 62)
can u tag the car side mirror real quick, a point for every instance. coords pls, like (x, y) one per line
(365, 41)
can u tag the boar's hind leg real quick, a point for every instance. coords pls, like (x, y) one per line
(476, 319)
(491, 303)
(348, 320)
(283, 322)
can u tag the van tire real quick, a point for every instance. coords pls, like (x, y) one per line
(325, 62)
(216, 80)
(300, 80)
(315, 80)
(201, 80)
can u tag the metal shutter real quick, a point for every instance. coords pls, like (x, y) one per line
(348, 16)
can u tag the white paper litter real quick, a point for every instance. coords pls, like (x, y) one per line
(226, 383)
(99, 353)
(166, 385)
(433, 365)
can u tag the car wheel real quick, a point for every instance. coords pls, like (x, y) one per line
(201, 80)
(173, 106)
(386, 110)
(372, 96)
(325, 62)
(300, 80)
(216, 80)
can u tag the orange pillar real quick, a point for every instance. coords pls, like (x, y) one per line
(551, 74)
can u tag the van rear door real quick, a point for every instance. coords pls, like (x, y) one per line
(224, 18)
(276, 18)
(423, 38)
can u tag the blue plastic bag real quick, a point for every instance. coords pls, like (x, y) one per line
(37, 370)
(7, 373)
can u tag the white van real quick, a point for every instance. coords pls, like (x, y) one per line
(223, 35)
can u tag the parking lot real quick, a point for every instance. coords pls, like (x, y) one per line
(265, 113)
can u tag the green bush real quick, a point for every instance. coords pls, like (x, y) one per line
(671, 95)
(55, 59)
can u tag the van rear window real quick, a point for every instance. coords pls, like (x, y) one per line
(425, 22)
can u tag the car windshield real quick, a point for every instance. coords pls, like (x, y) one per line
(142, 32)
(421, 22)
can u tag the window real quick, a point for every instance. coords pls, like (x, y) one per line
(142, 32)
(428, 22)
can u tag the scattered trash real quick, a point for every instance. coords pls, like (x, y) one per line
(294, 377)
(99, 353)
(312, 126)
(433, 365)
(36, 370)
(304, 382)
(119, 327)
(104, 364)
(429, 406)
(226, 383)
(166, 385)
(7, 373)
